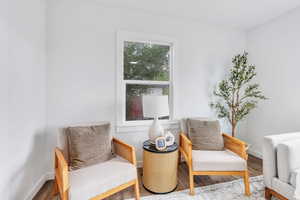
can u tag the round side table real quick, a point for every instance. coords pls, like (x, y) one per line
(160, 168)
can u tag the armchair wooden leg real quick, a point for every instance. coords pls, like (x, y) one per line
(246, 182)
(192, 188)
(66, 196)
(268, 194)
(137, 190)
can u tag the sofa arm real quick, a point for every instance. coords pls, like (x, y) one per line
(288, 159)
(295, 182)
(235, 145)
(269, 154)
(124, 150)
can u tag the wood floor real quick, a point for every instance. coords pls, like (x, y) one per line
(254, 166)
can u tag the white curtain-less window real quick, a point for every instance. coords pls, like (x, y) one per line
(144, 68)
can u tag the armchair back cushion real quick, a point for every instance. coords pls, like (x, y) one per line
(88, 145)
(205, 134)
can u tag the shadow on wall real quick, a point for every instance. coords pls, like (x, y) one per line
(27, 176)
(216, 71)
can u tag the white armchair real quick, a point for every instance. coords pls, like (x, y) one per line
(281, 166)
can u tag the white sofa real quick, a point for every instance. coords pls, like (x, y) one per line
(281, 166)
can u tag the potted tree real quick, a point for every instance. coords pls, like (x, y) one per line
(236, 95)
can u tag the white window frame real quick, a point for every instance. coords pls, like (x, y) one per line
(123, 36)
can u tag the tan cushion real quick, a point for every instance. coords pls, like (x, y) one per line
(205, 134)
(217, 161)
(90, 181)
(88, 145)
(62, 140)
(62, 143)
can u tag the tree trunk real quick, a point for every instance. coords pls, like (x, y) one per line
(233, 129)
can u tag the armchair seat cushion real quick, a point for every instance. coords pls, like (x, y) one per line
(217, 161)
(91, 181)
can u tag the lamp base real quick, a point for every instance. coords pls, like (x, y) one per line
(155, 130)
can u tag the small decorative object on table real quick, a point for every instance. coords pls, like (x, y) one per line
(170, 139)
(160, 143)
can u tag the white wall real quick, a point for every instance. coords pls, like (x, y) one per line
(275, 49)
(82, 62)
(81, 85)
(22, 96)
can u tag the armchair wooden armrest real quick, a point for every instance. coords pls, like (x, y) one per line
(61, 173)
(235, 145)
(185, 148)
(124, 150)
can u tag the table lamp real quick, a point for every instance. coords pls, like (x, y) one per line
(155, 106)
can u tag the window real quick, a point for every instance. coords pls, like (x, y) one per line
(144, 68)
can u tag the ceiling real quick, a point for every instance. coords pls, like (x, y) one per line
(244, 14)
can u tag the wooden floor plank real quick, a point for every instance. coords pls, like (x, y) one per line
(254, 166)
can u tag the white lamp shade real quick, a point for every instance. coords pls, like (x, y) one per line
(155, 105)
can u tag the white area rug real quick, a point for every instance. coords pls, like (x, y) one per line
(223, 191)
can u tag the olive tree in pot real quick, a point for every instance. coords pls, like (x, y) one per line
(236, 95)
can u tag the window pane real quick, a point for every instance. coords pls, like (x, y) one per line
(134, 105)
(145, 61)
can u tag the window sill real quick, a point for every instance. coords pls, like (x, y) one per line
(142, 126)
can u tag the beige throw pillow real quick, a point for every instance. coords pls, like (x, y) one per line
(88, 145)
(205, 134)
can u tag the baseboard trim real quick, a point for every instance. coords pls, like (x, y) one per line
(49, 176)
(39, 184)
(139, 164)
(36, 188)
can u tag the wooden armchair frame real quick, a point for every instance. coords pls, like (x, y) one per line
(269, 193)
(233, 144)
(61, 182)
